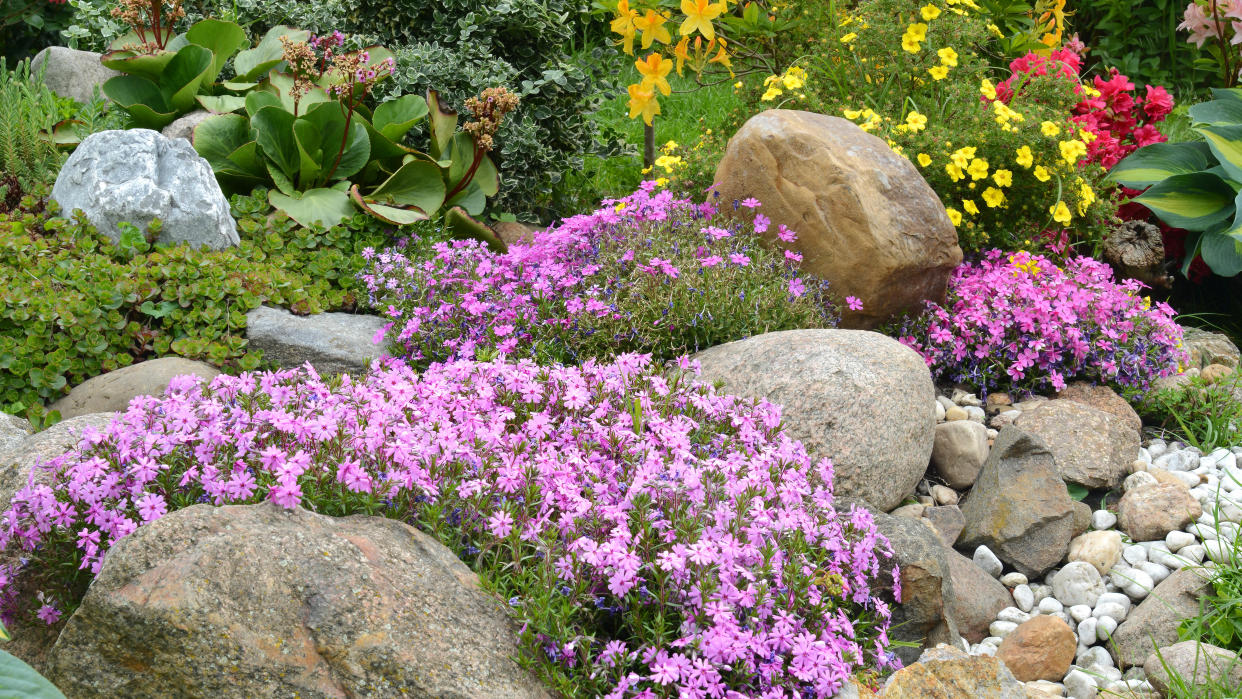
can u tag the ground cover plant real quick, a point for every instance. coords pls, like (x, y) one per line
(76, 304)
(653, 537)
(1019, 322)
(647, 273)
(1204, 415)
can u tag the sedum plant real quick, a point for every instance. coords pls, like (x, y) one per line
(304, 129)
(1194, 185)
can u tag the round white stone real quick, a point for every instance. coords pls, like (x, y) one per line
(1086, 631)
(1017, 616)
(1078, 612)
(1023, 597)
(1105, 627)
(1001, 628)
(1077, 583)
(1049, 605)
(985, 559)
(1013, 579)
(1103, 519)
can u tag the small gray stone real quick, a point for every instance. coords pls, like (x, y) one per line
(985, 559)
(333, 343)
(184, 126)
(1078, 583)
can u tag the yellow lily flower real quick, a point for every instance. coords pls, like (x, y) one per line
(644, 102)
(653, 29)
(655, 70)
(699, 15)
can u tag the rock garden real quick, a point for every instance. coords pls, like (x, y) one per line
(650, 348)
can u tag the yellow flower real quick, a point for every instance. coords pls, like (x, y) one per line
(668, 162)
(624, 24)
(1003, 178)
(1086, 196)
(655, 69)
(1060, 213)
(682, 54)
(995, 31)
(848, 38)
(1041, 174)
(910, 45)
(969, 205)
(917, 31)
(916, 122)
(930, 12)
(938, 72)
(1071, 151)
(978, 169)
(961, 157)
(955, 172)
(794, 78)
(643, 101)
(851, 114)
(653, 29)
(987, 89)
(771, 94)
(1025, 156)
(993, 197)
(1049, 129)
(661, 181)
(948, 57)
(924, 159)
(699, 15)
(955, 216)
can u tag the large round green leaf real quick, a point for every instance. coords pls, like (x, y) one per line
(443, 125)
(332, 146)
(326, 207)
(396, 215)
(274, 133)
(416, 183)
(1196, 202)
(183, 76)
(142, 99)
(222, 38)
(1150, 164)
(221, 104)
(396, 117)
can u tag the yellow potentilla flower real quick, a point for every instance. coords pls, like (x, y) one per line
(924, 159)
(1025, 156)
(948, 57)
(851, 114)
(938, 72)
(848, 38)
(978, 169)
(794, 78)
(916, 122)
(930, 12)
(1042, 174)
(1086, 136)
(910, 45)
(987, 89)
(1086, 197)
(961, 157)
(917, 31)
(771, 94)
(969, 205)
(955, 216)
(1071, 151)
(995, 31)
(993, 197)
(1060, 213)
(1049, 129)
(1003, 178)
(955, 172)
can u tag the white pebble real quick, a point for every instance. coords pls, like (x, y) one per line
(1001, 628)
(1023, 597)
(1139, 583)
(1049, 605)
(1096, 656)
(1080, 685)
(1192, 555)
(1086, 631)
(1041, 591)
(1013, 614)
(976, 413)
(1176, 540)
(1133, 554)
(1105, 627)
(1078, 612)
(1155, 570)
(1103, 519)
(1218, 551)
(1112, 604)
(939, 412)
(1013, 579)
(1156, 448)
(985, 559)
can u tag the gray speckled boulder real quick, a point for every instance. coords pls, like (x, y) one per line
(112, 392)
(334, 343)
(136, 175)
(13, 429)
(1091, 447)
(1153, 624)
(20, 458)
(71, 73)
(1019, 507)
(859, 397)
(256, 601)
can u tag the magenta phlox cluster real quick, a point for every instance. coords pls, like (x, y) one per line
(698, 548)
(1020, 321)
(646, 273)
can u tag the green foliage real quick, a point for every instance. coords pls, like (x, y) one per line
(1140, 38)
(76, 305)
(159, 86)
(1205, 415)
(20, 681)
(1194, 185)
(29, 111)
(460, 47)
(26, 26)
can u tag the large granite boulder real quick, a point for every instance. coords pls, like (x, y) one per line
(71, 73)
(1150, 512)
(1019, 507)
(13, 429)
(866, 219)
(1092, 447)
(861, 398)
(256, 601)
(136, 175)
(1102, 398)
(333, 343)
(927, 598)
(112, 392)
(1153, 624)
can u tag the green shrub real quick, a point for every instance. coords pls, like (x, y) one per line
(1205, 415)
(27, 110)
(76, 305)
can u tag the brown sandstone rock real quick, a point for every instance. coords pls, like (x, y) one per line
(866, 219)
(1039, 649)
(1102, 398)
(977, 597)
(1156, 619)
(112, 392)
(948, 673)
(1151, 512)
(1092, 447)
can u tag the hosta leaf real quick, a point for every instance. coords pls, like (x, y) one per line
(20, 681)
(1150, 164)
(1196, 202)
(1226, 111)
(1226, 144)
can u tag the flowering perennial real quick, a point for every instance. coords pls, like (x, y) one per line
(655, 538)
(647, 273)
(1019, 321)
